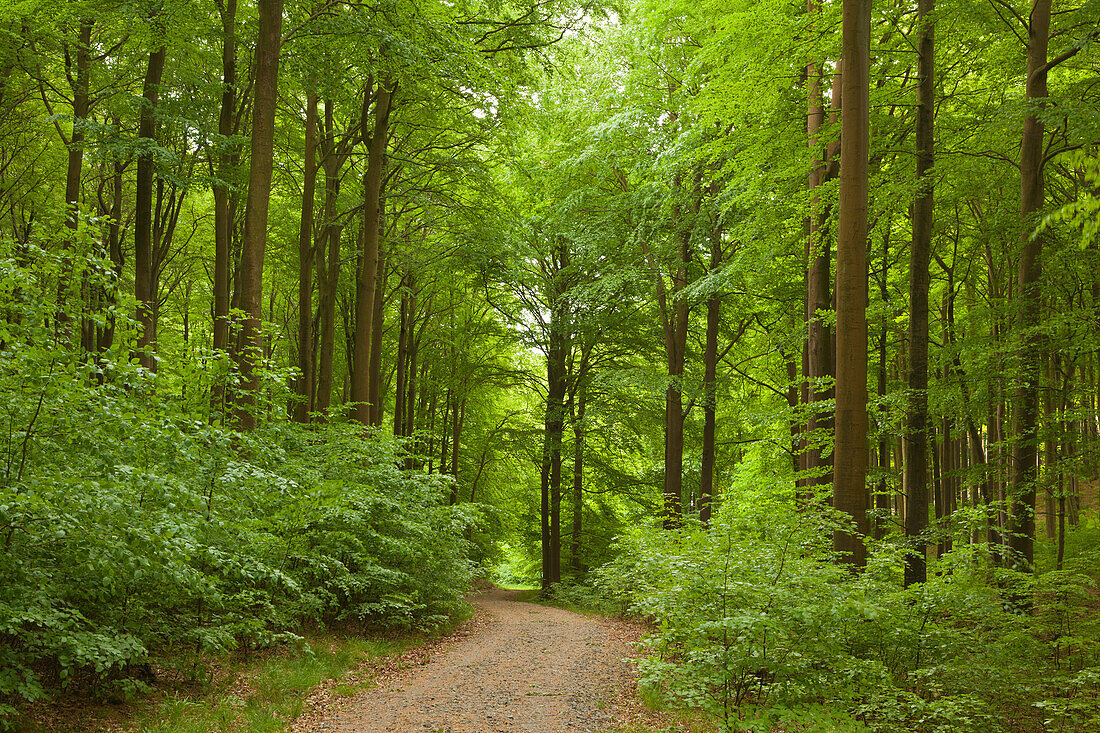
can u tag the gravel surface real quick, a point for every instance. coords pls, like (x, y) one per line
(523, 667)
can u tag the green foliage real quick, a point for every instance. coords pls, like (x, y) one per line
(760, 629)
(130, 527)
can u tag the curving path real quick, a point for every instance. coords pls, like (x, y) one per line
(531, 668)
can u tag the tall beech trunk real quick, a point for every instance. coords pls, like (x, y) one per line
(710, 378)
(402, 358)
(819, 366)
(106, 334)
(223, 217)
(916, 432)
(144, 266)
(374, 387)
(850, 462)
(81, 81)
(304, 385)
(881, 497)
(557, 382)
(456, 430)
(366, 282)
(414, 349)
(254, 241)
(578, 479)
(328, 264)
(444, 434)
(1021, 540)
(675, 317)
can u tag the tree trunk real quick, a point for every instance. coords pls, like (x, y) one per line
(374, 387)
(366, 282)
(456, 433)
(675, 327)
(144, 266)
(558, 347)
(328, 265)
(882, 498)
(819, 364)
(710, 378)
(106, 336)
(259, 194)
(916, 434)
(1025, 439)
(306, 251)
(223, 218)
(75, 164)
(414, 349)
(578, 480)
(402, 358)
(850, 472)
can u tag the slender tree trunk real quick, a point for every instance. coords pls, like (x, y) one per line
(916, 436)
(882, 498)
(676, 325)
(444, 434)
(850, 472)
(414, 349)
(366, 282)
(144, 266)
(820, 368)
(254, 243)
(374, 387)
(1025, 441)
(1052, 403)
(75, 164)
(106, 336)
(556, 379)
(223, 219)
(328, 269)
(402, 358)
(578, 479)
(710, 378)
(306, 251)
(456, 432)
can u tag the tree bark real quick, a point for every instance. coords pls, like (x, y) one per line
(1021, 540)
(106, 335)
(578, 479)
(558, 346)
(819, 363)
(710, 391)
(306, 251)
(328, 265)
(256, 205)
(374, 388)
(223, 220)
(75, 165)
(916, 434)
(850, 472)
(675, 317)
(402, 358)
(882, 498)
(366, 282)
(144, 266)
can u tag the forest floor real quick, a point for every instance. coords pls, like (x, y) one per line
(514, 667)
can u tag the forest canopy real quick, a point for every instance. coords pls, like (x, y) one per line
(753, 317)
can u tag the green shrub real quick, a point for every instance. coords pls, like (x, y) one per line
(759, 628)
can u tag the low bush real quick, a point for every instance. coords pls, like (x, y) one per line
(130, 525)
(759, 628)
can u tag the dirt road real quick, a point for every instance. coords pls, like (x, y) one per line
(528, 668)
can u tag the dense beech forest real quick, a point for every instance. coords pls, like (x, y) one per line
(776, 322)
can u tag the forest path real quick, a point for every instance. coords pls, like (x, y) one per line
(525, 667)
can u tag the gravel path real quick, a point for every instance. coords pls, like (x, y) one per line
(529, 668)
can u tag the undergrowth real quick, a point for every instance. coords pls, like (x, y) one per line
(759, 629)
